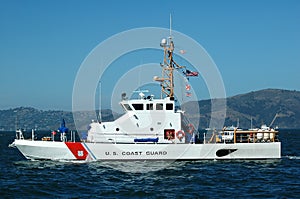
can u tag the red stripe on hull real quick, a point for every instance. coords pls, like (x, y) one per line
(78, 150)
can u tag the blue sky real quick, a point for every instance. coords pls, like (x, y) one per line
(255, 44)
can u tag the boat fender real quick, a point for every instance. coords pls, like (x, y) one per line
(191, 128)
(180, 134)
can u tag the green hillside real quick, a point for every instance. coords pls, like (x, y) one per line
(261, 106)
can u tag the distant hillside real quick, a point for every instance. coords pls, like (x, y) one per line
(260, 105)
(31, 118)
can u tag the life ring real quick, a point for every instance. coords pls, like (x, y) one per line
(180, 134)
(191, 128)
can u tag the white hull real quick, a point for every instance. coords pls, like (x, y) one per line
(109, 151)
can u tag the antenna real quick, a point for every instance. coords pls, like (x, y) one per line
(170, 25)
(99, 113)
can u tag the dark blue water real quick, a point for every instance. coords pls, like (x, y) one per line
(21, 178)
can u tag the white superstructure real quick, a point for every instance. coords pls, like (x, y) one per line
(145, 118)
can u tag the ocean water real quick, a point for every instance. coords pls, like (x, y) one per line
(22, 178)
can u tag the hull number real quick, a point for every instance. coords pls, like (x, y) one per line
(80, 153)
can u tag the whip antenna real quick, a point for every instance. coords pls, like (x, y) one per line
(170, 26)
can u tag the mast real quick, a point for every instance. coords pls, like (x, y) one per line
(167, 84)
(168, 66)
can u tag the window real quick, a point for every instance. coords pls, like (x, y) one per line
(169, 106)
(138, 106)
(159, 106)
(149, 106)
(127, 107)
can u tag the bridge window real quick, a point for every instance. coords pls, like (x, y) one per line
(169, 106)
(138, 106)
(149, 106)
(127, 107)
(159, 106)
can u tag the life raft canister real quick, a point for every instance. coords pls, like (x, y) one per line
(180, 134)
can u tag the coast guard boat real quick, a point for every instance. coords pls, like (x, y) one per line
(153, 129)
